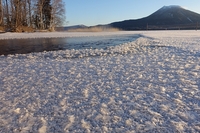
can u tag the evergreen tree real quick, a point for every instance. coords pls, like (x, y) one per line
(47, 13)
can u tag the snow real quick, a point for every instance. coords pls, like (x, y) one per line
(147, 85)
(171, 6)
(189, 19)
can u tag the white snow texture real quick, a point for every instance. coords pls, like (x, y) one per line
(149, 85)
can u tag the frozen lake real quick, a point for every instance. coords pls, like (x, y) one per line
(149, 84)
(24, 46)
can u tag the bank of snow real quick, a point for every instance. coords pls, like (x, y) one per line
(149, 85)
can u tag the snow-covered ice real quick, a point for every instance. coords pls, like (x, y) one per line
(149, 85)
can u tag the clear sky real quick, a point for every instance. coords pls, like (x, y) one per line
(94, 12)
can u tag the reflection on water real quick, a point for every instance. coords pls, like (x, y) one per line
(23, 46)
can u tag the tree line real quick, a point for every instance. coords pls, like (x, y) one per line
(26, 15)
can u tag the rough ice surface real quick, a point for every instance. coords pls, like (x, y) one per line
(148, 85)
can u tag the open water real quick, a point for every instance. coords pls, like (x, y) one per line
(24, 46)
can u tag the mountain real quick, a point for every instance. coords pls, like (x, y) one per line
(167, 17)
(71, 27)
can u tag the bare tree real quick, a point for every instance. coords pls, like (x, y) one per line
(24, 13)
(40, 5)
(7, 14)
(1, 13)
(58, 13)
(29, 12)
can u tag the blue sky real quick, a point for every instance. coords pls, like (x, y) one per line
(94, 12)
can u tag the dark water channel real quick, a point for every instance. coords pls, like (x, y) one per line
(23, 46)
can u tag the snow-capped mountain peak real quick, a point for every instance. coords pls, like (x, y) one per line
(171, 6)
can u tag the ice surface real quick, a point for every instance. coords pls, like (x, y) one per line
(9, 35)
(148, 85)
